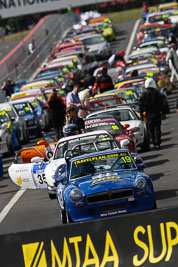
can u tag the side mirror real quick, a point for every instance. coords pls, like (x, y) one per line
(42, 142)
(141, 166)
(126, 125)
(4, 126)
(36, 160)
(21, 113)
(124, 143)
(59, 180)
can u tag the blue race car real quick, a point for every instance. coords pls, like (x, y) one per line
(102, 184)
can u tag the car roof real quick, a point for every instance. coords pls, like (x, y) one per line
(82, 135)
(110, 108)
(91, 36)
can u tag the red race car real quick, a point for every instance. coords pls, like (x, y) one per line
(124, 137)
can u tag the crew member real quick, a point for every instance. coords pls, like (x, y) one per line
(57, 110)
(103, 82)
(151, 103)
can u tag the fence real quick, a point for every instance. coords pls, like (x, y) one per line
(18, 63)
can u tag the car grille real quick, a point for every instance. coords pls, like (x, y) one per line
(110, 195)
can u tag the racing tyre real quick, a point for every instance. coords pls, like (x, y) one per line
(51, 196)
(155, 206)
(68, 216)
(63, 216)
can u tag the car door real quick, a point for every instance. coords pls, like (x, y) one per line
(28, 175)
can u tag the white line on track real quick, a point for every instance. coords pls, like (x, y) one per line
(130, 44)
(11, 203)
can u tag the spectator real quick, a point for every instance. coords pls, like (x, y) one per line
(172, 60)
(73, 98)
(31, 47)
(57, 110)
(89, 79)
(8, 87)
(73, 119)
(72, 81)
(151, 103)
(84, 96)
(116, 57)
(103, 82)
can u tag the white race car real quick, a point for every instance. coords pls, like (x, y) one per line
(126, 115)
(40, 174)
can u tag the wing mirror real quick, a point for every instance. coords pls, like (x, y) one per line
(36, 160)
(124, 143)
(126, 125)
(21, 113)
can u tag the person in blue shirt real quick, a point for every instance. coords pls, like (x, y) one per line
(73, 98)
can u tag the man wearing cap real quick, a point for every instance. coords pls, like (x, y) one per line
(8, 87)
(151, 102)
(57, 110)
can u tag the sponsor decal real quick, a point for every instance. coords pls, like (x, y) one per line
(100, 157)
(105, 180)
(34, 253)
(146, 250)
(19, 180)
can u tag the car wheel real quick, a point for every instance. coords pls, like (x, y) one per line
(155, 206)
(63, 216)
(69, 220)
(51, 196)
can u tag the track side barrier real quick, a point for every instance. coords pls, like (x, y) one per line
(145, 239)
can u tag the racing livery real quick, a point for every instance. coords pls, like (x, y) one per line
(103, 184)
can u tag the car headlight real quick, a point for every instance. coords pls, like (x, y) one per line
(75, 195)
(136, 129)
(140, 183)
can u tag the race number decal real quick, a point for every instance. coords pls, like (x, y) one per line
(60, 198)
(42, 178)
(39, 175)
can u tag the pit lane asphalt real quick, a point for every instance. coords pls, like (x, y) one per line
(34, 210)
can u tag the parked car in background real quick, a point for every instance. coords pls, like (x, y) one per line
(19, 119)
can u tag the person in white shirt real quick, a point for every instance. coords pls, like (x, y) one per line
(31, 47)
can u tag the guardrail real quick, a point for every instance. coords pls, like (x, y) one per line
(143, 239)
(18, 63)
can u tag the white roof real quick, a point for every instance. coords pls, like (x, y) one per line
(82, 135)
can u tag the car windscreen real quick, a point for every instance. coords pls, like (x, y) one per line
(93, 40)
(112, 127)
(130, 95)
(80, 143)
(118, 114)
(95, 165)
(25, 107)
